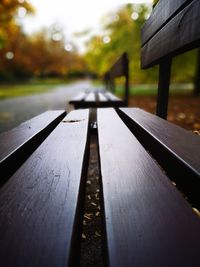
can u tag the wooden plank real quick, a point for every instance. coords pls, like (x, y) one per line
(148, 222)
(78, 97)
(161, 14)
(176, 149)
(90, 97)
(102, 97)
(118, 69)
(181, 34)
(163, 88)
(39, 205)
(16, 145)
(112, 97)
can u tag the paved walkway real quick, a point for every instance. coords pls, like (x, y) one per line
(14, 111)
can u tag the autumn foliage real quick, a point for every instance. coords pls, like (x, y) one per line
(42, 54)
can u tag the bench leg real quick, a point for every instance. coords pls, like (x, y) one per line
(163, 88)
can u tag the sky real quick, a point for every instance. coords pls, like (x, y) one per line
(72, 16)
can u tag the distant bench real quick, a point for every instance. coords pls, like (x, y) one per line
(92, 98)
(146, 220)
(96, 98)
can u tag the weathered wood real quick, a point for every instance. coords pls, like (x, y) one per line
(180, 34)
(163, 88)
(39, 205)
(148, 222)
(17, 144)
(176, 149)
(164, 11)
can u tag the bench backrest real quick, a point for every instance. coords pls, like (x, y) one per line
(173, 28)
(119, 69)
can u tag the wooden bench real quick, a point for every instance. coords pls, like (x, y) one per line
(95, 98)
(101, 97)
(119, 69)
(41, 203)
(147, 221)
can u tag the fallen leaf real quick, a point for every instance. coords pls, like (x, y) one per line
(97, 213)
(97, 234)
(83, 236)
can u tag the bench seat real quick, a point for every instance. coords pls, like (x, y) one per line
(147, 220)
(41, 203)
(96, 98)
(17, 144)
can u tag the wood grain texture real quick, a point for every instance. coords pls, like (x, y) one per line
(148, 223)
(180, 34)
(20, 142)
(39, 205)
(175, 148)
(161, 14)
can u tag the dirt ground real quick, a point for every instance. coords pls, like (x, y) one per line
(183, 110)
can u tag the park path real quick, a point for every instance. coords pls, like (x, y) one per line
(14, 111)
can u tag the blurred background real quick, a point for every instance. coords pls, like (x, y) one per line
(51, 50)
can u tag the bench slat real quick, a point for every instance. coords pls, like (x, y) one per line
(39, 205)
(18, 143)
(79, 97)
(112, 97)
(148, 222)
(180, 34)
(164, 11)
(167, 143)
(119, 68)
(102, 97)
(90, 97)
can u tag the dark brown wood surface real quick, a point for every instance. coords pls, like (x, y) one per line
(148, 222)
(18, 143)
(175, 148)
(163, 88)
(161, 14)
(180, 34)
(39, 205)
(117, 70)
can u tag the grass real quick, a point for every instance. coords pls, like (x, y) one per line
(151, 89)
(28, 88)
(41, 86)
